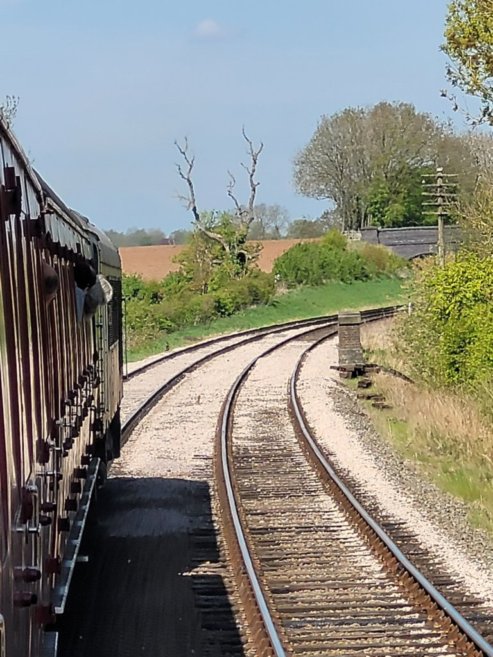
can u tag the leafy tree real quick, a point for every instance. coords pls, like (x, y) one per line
(137, 237)
(469, 44)
(181, 236)
(270, 222)
(369, 162)
(306, 228)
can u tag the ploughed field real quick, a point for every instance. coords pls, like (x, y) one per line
(153, 263)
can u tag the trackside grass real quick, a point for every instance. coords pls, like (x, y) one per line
(300, 303)
(446, 433)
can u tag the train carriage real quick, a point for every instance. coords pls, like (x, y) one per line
(60, 390)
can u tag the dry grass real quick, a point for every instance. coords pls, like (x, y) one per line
(449, 423)
(380, 344)
(446, 432)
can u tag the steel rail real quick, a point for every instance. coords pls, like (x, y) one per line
(147, 404)
(262, 330)
(452, 613)
(233, 502)
(252, 335)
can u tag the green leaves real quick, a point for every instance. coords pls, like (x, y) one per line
(449, 337)
(469, 44)
(330, 259)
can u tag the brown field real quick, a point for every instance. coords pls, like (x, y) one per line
(154, 262)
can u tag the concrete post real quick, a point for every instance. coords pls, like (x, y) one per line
(350, 350)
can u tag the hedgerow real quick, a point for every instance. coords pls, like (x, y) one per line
(154, 309)
(332, 259)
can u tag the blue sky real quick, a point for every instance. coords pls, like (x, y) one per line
(106, 87)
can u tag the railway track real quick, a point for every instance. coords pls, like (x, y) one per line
(287, 551)
(213, 348)
(317, 574)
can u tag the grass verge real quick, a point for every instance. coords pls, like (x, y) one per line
(295, 304)
(445, 433)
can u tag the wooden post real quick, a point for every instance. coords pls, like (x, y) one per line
(441, 216)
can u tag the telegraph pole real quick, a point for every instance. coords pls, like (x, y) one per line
(442, 193)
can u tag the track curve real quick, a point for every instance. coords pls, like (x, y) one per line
(432, 625)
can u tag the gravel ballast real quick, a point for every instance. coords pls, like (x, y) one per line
(437, 519)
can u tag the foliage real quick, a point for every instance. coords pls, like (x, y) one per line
(379, 260)
(476, 215)
(469, 44)
(181, 236)
(138, 237)
(448, 338)
(270, 222)
(154, 308)
(8, 109)
(307, 228)
(331, 259)
(289, 305)
(401, 205)
(369, 163)
(206, 264)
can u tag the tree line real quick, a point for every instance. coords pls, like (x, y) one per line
(271, 222)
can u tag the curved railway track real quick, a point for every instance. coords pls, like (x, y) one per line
(318, 575)
(320, 588)
(237, 340)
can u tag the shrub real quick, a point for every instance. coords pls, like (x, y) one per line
(335, 239)
(254, 289)
(380, 260)
(315, 263)
(334, 259)
(449, 337)
(134, 287)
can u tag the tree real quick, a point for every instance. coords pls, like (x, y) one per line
(332, 165)
(307, 228)
(138, 237)
(269, 223)
(469, 44)
(369, 163)
(229, 231)
(181, 236)
(8, 109)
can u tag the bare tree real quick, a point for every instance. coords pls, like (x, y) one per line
(190, 200)
(244, 214)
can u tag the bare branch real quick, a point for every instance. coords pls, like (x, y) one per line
(213, 236)
(231, 186)
(190, 200)
(251, 170)
(187, 177)
(8, 109)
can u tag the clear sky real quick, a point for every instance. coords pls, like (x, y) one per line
(106, 86)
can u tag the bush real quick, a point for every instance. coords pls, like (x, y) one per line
(134, 287)
(449, 337)
(380, 260)
(156, 308)
(315, 263)
(254, 289)
(334, 259)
